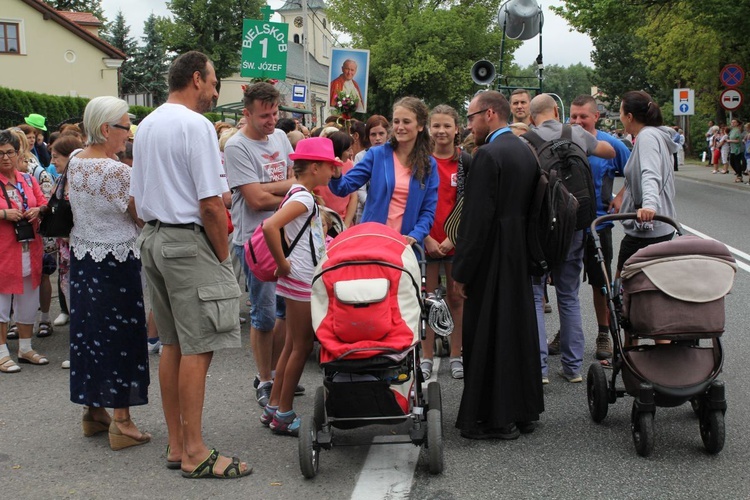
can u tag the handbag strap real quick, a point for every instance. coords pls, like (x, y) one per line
(288, 249)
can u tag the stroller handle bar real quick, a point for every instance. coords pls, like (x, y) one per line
(631, 216)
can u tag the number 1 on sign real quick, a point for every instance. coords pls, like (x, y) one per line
(264, 43)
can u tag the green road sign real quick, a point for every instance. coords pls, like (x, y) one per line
(264, 47)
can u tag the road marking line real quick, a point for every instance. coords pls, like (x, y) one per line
(738, 253)
(388, 472)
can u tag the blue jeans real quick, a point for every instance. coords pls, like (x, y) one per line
(265, 305)
(567, 281)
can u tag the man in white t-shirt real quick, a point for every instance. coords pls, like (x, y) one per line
(177, 184)
(258, 170)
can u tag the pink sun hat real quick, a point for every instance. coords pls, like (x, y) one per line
(316, 149)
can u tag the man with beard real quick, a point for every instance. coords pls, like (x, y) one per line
(502, 394)
(177, 184)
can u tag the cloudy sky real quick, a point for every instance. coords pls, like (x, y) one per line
(560, 47)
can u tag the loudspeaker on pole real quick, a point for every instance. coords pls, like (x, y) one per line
(483, 72)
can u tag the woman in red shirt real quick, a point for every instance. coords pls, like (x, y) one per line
(21, 204)
(445, 134)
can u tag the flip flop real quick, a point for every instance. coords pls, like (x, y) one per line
(205, 469)
(173, 464)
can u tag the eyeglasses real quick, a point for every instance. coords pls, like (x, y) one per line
(121, 127)
(471, 116)
(10, 154)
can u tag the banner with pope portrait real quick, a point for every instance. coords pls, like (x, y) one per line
(348, 76)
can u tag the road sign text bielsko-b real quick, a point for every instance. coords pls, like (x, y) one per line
(264, 49)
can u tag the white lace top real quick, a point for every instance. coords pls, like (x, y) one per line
(99, 197)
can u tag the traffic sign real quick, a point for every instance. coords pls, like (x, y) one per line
(299, 93)
(684, 102)
(264, 49)
(732, 75)
(731, 99)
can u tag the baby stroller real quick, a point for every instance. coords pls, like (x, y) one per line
(673, 300)
(368, 311)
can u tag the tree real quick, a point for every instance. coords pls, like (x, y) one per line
(423, 48)
(93, 6)
(119, 36)
(213, 27)
(150, 64)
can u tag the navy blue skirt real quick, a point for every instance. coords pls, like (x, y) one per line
(108, 356)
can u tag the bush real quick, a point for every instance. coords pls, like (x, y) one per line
(15, 104)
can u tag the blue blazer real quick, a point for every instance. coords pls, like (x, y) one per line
(377, 167)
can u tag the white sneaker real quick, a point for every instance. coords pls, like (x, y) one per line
(65, 365)
(61, 320)
(154, 348)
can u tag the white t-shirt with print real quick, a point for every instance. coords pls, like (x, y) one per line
(248, 161)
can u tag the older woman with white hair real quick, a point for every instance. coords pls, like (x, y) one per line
(108, 358)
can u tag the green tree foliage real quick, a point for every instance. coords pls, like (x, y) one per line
(213, 27)
(119, 36)
(150, 64)
(93, 6)
(658, 45)
(423, 48)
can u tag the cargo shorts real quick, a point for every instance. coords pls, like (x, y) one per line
(194, 297)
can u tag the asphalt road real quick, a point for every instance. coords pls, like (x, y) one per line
(44, 455)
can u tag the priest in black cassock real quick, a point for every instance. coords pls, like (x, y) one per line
(503, 394)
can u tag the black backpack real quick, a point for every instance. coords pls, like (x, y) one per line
(551, 222)
(572, 166)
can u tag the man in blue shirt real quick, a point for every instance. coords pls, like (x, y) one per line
(584, 112)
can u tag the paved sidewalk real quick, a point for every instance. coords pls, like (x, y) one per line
(701, 172)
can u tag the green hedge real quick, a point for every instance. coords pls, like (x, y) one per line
(15, 104)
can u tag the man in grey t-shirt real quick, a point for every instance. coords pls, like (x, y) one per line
(567, 276)
(258, 171)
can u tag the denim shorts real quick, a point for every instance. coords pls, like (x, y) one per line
(265, 305)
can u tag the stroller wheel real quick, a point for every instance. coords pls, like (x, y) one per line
(642, 426)
(695, 404)
(596, 390)
(435, 440)
(713, 430)
(434, 397)
(309, 450)
(319, 406)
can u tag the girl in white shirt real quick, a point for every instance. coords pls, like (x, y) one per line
(314, 164)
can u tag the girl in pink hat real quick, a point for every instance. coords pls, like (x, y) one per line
(297, 219)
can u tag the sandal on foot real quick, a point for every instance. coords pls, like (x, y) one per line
(205, 469)
(286, 424)
(119, 441)
(173, 464)
(45, 329)
(13, 332)
(32, 357)
(92, 427)
(7, 365)
(426, 367)
(457, 367)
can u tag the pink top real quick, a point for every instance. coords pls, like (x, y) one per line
(400, 194)
(11, 280)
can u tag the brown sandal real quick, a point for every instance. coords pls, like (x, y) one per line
(32, 357)
(91, 426)
(119, 441)
(7, 365)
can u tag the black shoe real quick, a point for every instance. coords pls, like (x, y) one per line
(507, 432)
(526, 427)
(299, 391)
(553, 348)
(263, 394)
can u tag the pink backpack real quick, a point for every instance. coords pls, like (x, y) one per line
(257, 255)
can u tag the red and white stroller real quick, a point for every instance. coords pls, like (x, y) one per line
(369, 316)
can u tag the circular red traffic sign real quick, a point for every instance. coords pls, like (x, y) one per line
(731, 99)
(732, 75)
